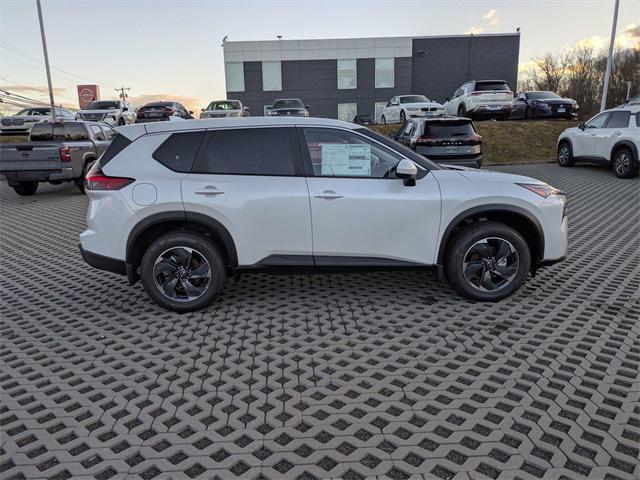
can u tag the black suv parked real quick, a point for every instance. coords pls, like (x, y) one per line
(162, 111)
(446, 140)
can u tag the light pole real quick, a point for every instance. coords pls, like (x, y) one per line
(607, 72)
(46, 61)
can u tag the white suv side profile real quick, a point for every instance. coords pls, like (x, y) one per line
(611, 137)
(183, 205)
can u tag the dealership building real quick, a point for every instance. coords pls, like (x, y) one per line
(339, 78)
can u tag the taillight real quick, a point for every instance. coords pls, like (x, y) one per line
(99, 181)
(140, 115)
(65, 156)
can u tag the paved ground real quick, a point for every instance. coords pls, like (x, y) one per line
(385, 375)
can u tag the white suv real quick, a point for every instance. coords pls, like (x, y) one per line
(611, 137)
(184, 205)
(481, 99)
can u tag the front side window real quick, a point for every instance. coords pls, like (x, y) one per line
(271, 76)
(247, 151)
(384, 72)
(109, 132)
(347, 74)
(347, 111)
(598, 121)
(234, 76)
(97, 133)
(339, 153)
(619, 119)
(178, 152)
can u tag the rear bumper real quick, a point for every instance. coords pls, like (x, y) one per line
(104, 263)
(461, 162)
(428, 114)
(16, 176)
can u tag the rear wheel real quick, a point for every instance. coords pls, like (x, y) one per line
(487, 261)
(183, 271)
(403, 117)
(121, 122)
(384, 120)
(565, 155)
(462, 111)
(25, 189)
(624, 165)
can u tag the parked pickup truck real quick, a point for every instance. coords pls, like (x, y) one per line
(55, 153)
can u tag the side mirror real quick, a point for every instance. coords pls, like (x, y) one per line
(582, 126)
(190, 112)
(408, 171)
(246, 109)
(202, 109)
(307, 107)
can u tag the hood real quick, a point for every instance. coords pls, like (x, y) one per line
(555, 101)
(476, 175)
(422, 105)
(99, 112)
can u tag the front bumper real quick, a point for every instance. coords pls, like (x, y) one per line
(104, 263)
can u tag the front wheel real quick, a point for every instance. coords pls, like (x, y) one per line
(624, 165)
(565, 155)
(487, 261)
(26, 189)
(182, 271)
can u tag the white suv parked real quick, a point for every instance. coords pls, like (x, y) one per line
(611, 137)
(184, 205)
(481, 99)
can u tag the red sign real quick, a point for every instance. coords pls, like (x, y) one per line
(87, 94)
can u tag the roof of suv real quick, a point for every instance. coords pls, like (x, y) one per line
(133, 131)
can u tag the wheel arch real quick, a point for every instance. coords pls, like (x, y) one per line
(562, 140)
(624, 143)
(516, 217)
(151, 227)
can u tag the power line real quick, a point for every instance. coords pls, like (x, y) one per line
(32, 58)
(20, 97)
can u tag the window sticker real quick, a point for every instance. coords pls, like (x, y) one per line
(346, 160)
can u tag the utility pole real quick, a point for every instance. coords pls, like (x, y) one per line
(607, 72)
(122, 91)
(46, 61)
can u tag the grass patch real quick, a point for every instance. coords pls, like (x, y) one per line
(511, 142)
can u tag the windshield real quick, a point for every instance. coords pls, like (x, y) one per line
(226, 105)
(490, 86)
(414, 99)
(102, 106)
(288, 103)
(156, 106)
(34, 111)
(541, 95)
(448, 129)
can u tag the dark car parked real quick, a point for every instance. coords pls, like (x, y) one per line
(445, 140)
(293, 107)
(162, 111)
(543, 105)
(363, 119)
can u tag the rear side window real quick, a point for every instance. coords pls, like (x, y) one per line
(179, 151)
(247, 151)
(65, 132)
(619, 119)
(488, 86)
(120, 142)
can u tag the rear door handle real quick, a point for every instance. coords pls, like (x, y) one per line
(328, 194)
(209, 190)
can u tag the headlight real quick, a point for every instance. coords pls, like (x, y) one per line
(271, 112)
(576, 106)
(77, 117)
(413, 109)
(543, 189)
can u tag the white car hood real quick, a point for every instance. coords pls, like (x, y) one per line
(92, 112)
(477, 175)
(421, 105)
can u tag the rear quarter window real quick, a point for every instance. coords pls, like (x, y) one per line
(178, 152)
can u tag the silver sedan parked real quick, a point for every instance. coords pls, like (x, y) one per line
(225, 108)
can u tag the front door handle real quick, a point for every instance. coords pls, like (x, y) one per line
(209, 190)
(328, 194)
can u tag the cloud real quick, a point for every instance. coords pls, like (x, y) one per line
(190, 103)
(474, 30)
(492, 17)
(629, 38)
(35, 91)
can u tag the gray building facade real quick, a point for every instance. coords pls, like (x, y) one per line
(341, 77)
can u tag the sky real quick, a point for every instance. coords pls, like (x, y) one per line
(171, 49)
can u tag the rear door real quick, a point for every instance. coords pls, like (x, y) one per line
(361, 214)
(99, 139)
(251, 181)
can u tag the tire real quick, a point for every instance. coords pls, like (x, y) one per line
(403, 117)
(26, 189)
(172, 260)
(384, 120)
(624, 165)
(565, 155)
(80, 181)
(462, 111)
(121, 122)
(487, 261)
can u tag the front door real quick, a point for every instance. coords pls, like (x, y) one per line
(361, 214)
(250, 180)
(585, 144)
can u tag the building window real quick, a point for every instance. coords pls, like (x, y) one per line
(384, 72)
(347, 111)
(234, 76)
(347, 74)
(271, 77)
(379, 107)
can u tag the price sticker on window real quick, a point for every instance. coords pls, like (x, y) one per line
(346, 160)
